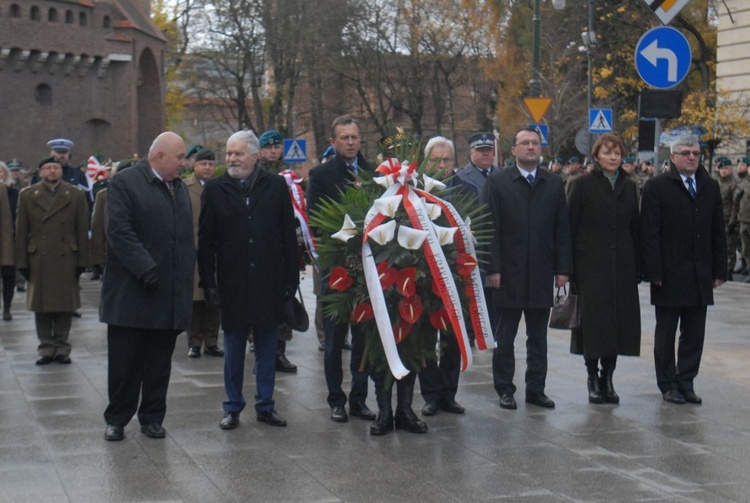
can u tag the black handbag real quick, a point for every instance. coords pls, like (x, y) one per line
(565, 312)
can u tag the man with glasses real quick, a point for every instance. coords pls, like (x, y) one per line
(684, 252)
(531, 251)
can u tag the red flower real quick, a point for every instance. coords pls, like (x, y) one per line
(439, 319)
(405, 281)
(386, 274)
(465, 263)
(340, 279)
(410, 308)
(362, 312)
(400, 330)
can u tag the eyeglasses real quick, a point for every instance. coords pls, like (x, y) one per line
(527, 143)
(688, 153)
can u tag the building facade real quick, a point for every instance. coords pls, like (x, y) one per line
(733, 57)
(87, 70)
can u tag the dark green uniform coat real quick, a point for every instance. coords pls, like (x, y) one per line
(605, 228)
(52, 241)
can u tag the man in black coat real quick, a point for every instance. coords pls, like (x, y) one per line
(531, 251)
(147, 292)
(247, 262)
(684, 249)
(327, 181)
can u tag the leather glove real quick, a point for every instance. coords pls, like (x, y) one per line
(26, 273)
(212, 297)
(150, 282)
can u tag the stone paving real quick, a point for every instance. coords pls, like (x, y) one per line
(52, 447)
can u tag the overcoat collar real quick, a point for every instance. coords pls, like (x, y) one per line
(54, 205)
(619, 181)
(235, 190)
(701, 178)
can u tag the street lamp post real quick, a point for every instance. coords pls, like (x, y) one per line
(535, 84)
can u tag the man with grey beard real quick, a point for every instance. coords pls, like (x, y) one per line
(247, 262)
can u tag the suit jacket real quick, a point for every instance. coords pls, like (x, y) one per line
(329, 180)
(52, 242)
(247, 246)
(531, 242)
(147, 230)
(474, 180)
(683, 240)
(195, 190)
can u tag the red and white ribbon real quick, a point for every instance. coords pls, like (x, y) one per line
(297, 195)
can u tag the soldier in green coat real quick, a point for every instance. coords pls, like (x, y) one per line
(729, 193)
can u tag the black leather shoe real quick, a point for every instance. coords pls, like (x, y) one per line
(194, 352)
(453, 407)
(230, 421)
(361, 411)
(508, 402)
(383, 423)
(673, 396)
(271, 417)
(153, 430)
(114, 433)
(540, 400)
(430, 409)
(45, 360)
(284, 365)
(64, 359)
(691, 397)
(405, 419)
(338, 414)
(213, 351)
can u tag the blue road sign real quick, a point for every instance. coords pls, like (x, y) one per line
(600, 120)
(662, 57)
(543, 131)
(295, 150)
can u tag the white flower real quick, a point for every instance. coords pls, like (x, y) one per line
(388, 205)
(411, 239)
(384, 181)
(467, 224)
(348, 230)
(383, 232)
(431, 183)
(433, 210)
(445, 234)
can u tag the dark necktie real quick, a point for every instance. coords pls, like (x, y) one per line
(485, 172)
(170, 188)
(530, 178)
(691, 187)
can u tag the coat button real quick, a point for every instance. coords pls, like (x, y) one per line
(252, 264)
(251, 241)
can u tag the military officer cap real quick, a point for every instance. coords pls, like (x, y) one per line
(482, 140)
(60, 145)
(559, 159)
(629, 160)
(205, 155)
(49, 159)
(725, 161)
(745, 160)
(329, 152)
(389, 142)
(573, 160)
(270, 137)
(193, 150)
(14, 164)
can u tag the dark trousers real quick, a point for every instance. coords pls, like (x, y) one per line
(678, 375)
(53, 330)
(9, 284)
(265, 340)
(335, 335)
(140, 362)
(504, 358)
(439, 381)
(204, 325)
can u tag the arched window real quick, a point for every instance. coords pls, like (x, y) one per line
(69, 17)
(15, 10)
(83, 19)
(52, 15)
(107, 23)
(43, 95)
(35, 14)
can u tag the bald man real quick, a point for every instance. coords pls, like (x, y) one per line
(147, 293)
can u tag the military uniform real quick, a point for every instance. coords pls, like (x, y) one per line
(742, 209)
(730, 191)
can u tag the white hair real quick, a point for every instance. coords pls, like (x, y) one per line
(248, 137)
(683, 141)
(439, 141)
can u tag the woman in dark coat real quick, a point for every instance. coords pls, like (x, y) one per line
(604, 222)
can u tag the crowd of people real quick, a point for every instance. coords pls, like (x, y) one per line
(200, 253)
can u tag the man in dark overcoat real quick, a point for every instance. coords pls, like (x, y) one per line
(684, 250)
(147, 291)
(531, 251)
(247, 261)
(327, 181)
(51, 252)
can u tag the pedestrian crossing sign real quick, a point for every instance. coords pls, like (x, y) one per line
(295, 150)
(543, 131)
(600, 120)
